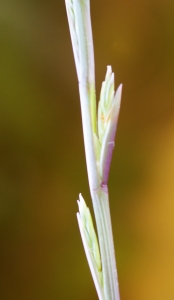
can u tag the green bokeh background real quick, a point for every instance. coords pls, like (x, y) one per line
(42, 162)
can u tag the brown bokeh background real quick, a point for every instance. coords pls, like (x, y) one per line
(42, 163)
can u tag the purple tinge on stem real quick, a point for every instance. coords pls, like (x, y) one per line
(109, 138)
(107, 162)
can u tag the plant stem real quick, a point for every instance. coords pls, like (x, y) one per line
(80, 28)
(100, 201)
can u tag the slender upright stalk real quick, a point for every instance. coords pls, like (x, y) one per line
(99, 142)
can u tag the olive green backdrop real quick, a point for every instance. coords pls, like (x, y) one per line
(42, 162)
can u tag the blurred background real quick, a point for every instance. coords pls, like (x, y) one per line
(42, 162)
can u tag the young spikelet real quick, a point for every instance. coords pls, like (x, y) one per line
(108, 111)
(73, 31)
(90, 243)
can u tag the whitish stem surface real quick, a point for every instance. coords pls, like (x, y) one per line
(78, 12)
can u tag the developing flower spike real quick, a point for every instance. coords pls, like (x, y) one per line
(73, 31)
(108, 111)
(99, 133)
(89, 231)
(91, 246)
